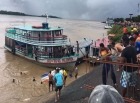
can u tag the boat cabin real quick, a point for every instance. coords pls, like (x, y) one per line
(36, 41)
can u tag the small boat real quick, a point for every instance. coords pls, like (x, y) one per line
(108, 26)
(84, 48)
(43, 45)
(109, 23)
(95, 47)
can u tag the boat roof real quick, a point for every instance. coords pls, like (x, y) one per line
(83, 42)
(30, 28)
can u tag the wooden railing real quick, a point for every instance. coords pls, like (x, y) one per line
(38, 41)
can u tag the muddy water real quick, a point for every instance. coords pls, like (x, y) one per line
(24, 89)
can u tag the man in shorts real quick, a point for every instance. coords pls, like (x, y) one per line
(58, 78)
(50, 80)
(129, 76)
(76, 72)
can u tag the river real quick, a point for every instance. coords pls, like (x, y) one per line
(24, 88)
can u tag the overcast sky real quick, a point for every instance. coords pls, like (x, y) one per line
(74, 9)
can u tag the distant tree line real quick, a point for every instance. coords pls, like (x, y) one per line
(134, 19)
(118, 19)
(23, 14)
(11, 13)
(50, 16)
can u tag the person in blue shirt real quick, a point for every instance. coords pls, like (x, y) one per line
(58, 78)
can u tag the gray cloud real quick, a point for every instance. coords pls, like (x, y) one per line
(75, 9)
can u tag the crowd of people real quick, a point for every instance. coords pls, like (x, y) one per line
(127, 51)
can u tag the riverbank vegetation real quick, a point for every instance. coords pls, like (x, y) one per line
(118, 31)
(134, 19)
(23, 14)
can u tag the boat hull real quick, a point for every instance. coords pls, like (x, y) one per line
(69, 64)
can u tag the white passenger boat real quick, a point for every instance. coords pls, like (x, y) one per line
(44, 45)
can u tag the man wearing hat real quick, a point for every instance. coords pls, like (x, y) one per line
(105, 94)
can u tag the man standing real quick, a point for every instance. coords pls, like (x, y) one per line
(50, 80)
(128, 77)
(39, 36)
(73, 50)
(118, 47)
(76, 72)
(65, 76)
(58, 78)
(49, 50)
(125, 30)
(137, 42)
(132, 41)
(77, 43)
(105, 53)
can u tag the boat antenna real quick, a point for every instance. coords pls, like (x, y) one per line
(46, 17)
(24, 22)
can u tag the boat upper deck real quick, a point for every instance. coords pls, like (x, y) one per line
(37, 35)
(37, 28)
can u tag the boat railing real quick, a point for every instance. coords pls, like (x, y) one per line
(57, 60)
(37, 40)
(42, 55)
(13, 31)
(45, 54)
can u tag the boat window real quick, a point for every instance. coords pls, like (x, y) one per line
(24, 33)
(41, 48)
(58, 33)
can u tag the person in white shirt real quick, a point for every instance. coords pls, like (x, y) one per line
(76, 72)
(73, 50)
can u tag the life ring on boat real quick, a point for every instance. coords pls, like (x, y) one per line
(37, 27)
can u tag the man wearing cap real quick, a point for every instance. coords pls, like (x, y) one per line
(105, 94)
(58, 78)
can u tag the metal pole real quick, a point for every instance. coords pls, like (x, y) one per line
(46, 17)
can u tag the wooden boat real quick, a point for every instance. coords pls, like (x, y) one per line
(40, 44)
(84, 48)
(109, 23)
(44, 45)
(94, 48)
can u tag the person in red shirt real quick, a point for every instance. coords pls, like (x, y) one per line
(125, 30)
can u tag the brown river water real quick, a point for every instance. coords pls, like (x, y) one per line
(24, 89)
